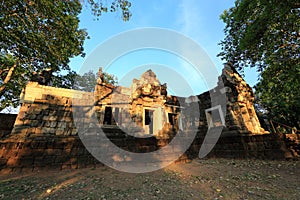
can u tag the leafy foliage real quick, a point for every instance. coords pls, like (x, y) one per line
(98, 7)
(35, 35)
(88, 81)
(265, 34)
(259, 31)
(278, 92)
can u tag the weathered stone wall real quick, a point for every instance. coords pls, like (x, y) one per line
(47, 111)
(234, 144)
(6, 123)
(45, 135)
(68, 152)
(56, 152)
(240, 102)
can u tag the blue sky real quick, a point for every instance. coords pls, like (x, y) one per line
(196, 19)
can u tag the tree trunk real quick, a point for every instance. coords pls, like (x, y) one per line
(7, 79)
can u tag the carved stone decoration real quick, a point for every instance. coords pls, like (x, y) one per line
(147, 86)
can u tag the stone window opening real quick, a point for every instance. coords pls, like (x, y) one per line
(215, 117)
(173, 120)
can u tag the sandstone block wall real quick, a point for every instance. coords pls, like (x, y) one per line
(68, 152)
(41, 152)
(234, 144)
(47, 111)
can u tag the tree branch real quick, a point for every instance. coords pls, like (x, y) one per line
(7, 78)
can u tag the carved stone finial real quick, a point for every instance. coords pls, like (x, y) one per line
(100, 76)
(163, 90)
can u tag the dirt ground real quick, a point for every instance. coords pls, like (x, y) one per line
(200, 179)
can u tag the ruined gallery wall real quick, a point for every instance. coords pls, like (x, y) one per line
(238, 98)
(242, 136)
(240, 102)
(45, 136)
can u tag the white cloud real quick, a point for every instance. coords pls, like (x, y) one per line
(189, 22)
(189, 18)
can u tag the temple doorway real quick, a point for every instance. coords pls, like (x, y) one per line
(148, 121)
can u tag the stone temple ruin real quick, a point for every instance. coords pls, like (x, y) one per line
(147, 104)
(45, 133)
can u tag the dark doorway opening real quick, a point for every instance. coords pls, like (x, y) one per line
(108, 116)
(149, 120)
(173, 120)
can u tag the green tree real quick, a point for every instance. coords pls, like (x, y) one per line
(88, 81)
(98, 7)
(265, 34)
(35, 35)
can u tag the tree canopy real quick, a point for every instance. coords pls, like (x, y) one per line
(265, 34)
(35, 35)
